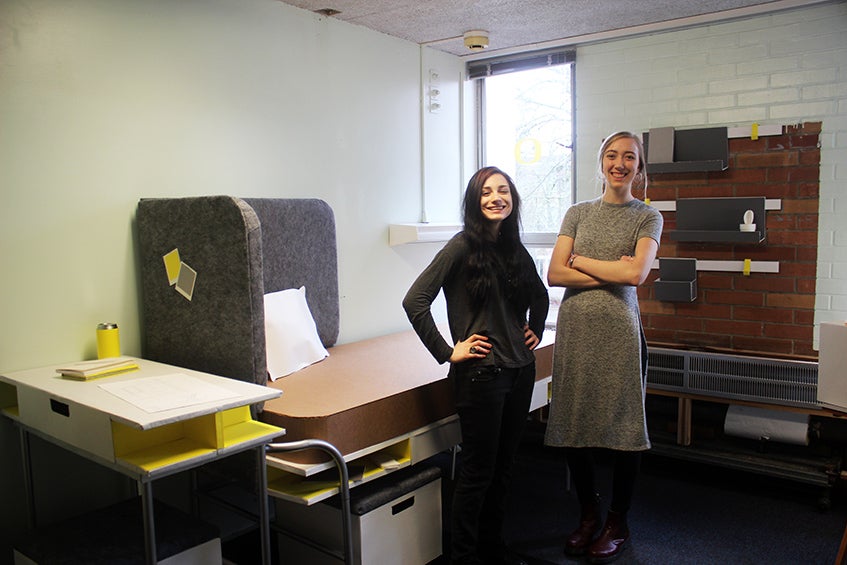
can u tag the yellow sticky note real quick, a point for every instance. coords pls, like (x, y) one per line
(172, 266)
(747, 265)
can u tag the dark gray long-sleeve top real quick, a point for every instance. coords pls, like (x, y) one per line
(497, 320)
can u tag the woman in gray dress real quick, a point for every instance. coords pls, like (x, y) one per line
(605, 249)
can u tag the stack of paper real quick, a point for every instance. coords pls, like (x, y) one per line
(86, 370)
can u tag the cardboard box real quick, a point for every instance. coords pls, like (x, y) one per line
(832, 366)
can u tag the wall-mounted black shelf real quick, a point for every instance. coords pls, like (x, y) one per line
(677, 280)
(694, 150)
(687, 167)
(717, 220)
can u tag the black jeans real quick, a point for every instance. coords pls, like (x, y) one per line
(493, 405)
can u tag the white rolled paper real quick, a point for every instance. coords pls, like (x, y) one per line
(763, 424)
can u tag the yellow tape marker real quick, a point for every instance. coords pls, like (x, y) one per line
(746, 267)
(754, 131)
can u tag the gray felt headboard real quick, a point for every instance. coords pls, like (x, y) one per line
(240, 249)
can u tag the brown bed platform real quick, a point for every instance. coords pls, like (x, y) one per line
(368, 392)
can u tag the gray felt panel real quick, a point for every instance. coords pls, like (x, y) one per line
(299, 249)
(221, 330)
(240, 250)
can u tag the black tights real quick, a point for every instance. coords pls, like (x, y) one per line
(625, 468)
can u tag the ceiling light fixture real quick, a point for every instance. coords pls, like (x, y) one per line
(476, 40)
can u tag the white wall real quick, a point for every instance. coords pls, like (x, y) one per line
(104, 102)
(781, 69)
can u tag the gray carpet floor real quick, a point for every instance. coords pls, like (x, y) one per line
(684, 513)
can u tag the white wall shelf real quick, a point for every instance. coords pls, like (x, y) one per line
(400, 234)
(670, 205)
(733, 266)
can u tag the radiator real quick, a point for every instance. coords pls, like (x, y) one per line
(738, 377)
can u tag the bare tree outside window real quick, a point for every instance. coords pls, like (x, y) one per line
(527, 120)
(528, 133)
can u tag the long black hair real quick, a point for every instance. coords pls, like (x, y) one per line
(499, 257)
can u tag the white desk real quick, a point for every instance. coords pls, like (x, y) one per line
(83, 417)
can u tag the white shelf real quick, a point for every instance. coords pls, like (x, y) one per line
(733, 266)
(670, 205)
(399, 234)
(761, 130)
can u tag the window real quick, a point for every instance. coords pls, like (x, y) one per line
(525, 117)
(525, 112)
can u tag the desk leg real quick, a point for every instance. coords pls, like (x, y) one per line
(195, 492)
(27, 465)
(841, 558)
(683, 424)
(146, 489)
(264, 511)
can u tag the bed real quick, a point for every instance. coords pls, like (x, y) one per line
(241, 249)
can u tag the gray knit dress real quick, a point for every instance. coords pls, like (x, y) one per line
(600, 354)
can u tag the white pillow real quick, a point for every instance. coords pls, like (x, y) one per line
(291, 336)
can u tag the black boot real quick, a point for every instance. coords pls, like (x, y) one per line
(589, 523)
(613, 540)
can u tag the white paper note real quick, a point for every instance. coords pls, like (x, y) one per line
(167, 392)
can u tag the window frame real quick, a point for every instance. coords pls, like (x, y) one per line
(478, 70)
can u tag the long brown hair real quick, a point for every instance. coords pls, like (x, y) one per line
(641, 172)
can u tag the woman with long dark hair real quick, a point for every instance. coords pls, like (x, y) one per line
(496, 308)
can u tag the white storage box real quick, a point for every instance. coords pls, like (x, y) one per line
(832, 366)
(395, 520)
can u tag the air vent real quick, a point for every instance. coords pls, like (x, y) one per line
(737, 377)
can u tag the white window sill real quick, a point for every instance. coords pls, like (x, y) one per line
(401, 234)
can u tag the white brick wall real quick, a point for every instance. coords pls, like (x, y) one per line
(785, 68)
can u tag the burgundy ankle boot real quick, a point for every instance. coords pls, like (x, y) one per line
(589, 523)
(613, 540)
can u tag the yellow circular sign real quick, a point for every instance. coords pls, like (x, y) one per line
(527, 155)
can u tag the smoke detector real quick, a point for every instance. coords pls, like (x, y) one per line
(476, 40)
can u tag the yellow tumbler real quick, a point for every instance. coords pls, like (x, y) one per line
(108, 340)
